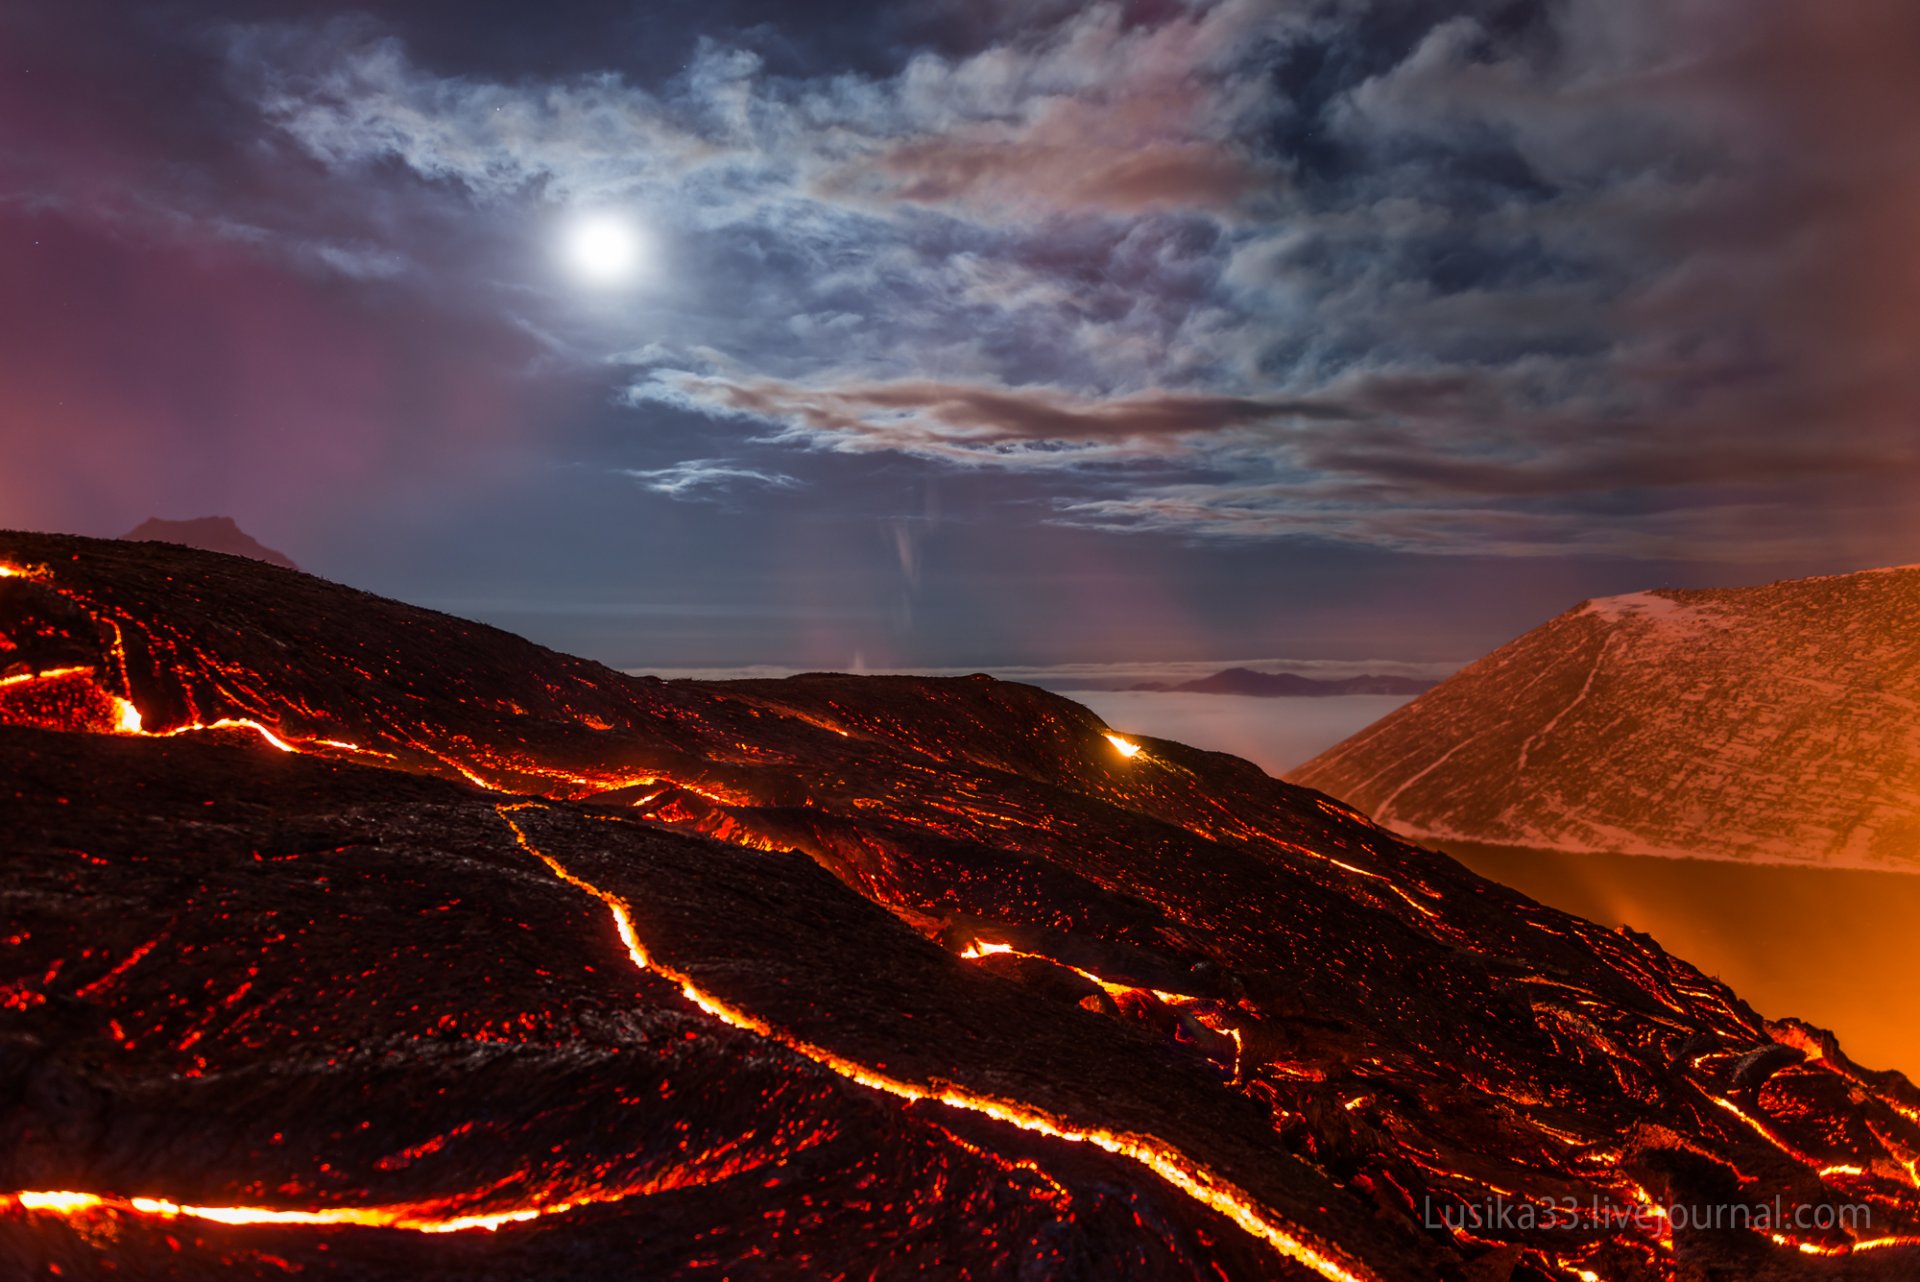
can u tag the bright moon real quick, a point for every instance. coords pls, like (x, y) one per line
(604, 249)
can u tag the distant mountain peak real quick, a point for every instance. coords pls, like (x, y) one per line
(210, 534)
(1771, 723)
(1247, 681)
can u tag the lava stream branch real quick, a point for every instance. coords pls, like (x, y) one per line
(1194, 1006)
(1172, 1166)
(406, 1217)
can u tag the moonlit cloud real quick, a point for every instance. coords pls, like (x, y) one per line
(1480, 255)
(705, 478)
(351, 97)
(1587, 278)
(1032, 427)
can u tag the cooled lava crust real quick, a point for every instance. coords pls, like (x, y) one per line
(349, 940)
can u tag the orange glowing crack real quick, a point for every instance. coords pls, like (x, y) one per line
(1125, 747)
(1765, 1132)
(979, 949)
(50, 674)
(235, 723)
(131, 722)
(1208, 1019)
(128, 720)
(1848, 1248)
(1413, 903)
(1189, 1177)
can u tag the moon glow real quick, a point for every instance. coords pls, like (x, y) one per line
(604, 249)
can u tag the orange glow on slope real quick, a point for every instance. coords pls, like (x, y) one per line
(1192, 1179)
(1125, 747)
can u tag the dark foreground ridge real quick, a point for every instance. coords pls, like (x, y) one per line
(356, 941)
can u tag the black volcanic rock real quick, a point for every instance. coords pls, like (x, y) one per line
(1293, 685)
(210, 533)
(329, 907)
(327, 945)
(1772, 724)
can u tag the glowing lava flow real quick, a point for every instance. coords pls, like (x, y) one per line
(978, 949)
(1207, 1019)
(131, 722)
(26, 678)
(1125, 747)
(408, 1218)
(1848, 1248)
(1192, 1179)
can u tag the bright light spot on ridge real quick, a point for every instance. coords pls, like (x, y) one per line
(604, 248)
(1125, 747)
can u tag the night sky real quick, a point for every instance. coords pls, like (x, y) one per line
(973, 332)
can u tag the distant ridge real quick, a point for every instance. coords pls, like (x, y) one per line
(1777, 724)
(210, 534)
(1285, 685)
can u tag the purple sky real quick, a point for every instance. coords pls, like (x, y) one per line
(980, 333)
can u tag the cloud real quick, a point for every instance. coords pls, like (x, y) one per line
(1564, 278)
(1098, 116)
(1753, 533)
(1035, 173)
(1095, 114)
(352, 97)
(1030, 427)
(694, 479)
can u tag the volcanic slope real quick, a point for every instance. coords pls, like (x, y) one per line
(349, 939)
(1774, 724)
(211, 533)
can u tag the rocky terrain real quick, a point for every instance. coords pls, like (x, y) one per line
(349, 940)
(1774, 723)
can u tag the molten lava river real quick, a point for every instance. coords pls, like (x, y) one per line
(347, 940)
